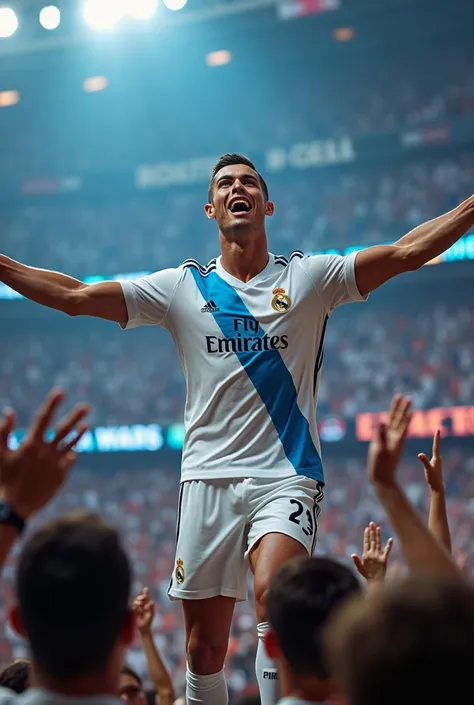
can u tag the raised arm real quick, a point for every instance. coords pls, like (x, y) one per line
(32, 474)
(376, 265)
(64, 293)
(438, 517)
(422, 551)
(144, 611)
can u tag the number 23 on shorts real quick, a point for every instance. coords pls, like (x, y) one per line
(306, 522)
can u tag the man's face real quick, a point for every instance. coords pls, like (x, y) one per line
(239, 204)
(131, 691)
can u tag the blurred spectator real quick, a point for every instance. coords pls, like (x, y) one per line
(142, 504)
(16, 676)
(303, 595)
(131, 687)
(412, 643)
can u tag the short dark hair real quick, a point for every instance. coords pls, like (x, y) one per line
(230, 160)
(128, 671)
(16, 676)
(302, 596)
(411, 643)
(73, 586)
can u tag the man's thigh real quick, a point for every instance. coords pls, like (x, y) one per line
(211, 542)
(207, 624)
(283, 526)
(290, 507)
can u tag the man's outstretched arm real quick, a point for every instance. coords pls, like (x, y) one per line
(376, 265)
(64, 293)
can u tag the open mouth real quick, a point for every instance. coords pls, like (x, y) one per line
(240, 205)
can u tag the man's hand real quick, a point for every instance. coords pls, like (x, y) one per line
(387, 446)
(438, 517)
(434, 467)
(31, 475)
(144, 611)
(372, 565)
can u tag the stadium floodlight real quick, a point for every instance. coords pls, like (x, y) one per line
(218, 58)
(50, 17)
(104, 14)
(142, 9)
(8, 22)
(8, 98)
(94, 84)
(175, 4)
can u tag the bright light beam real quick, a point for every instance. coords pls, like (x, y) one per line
(8, 22)
(104, 14)
(50, 17)
(175, 4)
(142, 9)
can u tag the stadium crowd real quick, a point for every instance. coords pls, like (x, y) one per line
(129, 501)
(289, 104)
(314, 211)
(368, 355)
(71, 577)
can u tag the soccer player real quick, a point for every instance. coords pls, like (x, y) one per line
(249, 330)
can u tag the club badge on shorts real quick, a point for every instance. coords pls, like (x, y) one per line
(280, 302)
(179, 572)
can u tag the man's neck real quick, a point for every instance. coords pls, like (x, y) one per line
(244, 260)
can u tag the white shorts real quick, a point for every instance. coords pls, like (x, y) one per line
(219, 521)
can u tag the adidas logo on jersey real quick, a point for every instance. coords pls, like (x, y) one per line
(210, 307)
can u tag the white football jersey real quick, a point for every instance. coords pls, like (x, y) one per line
(251, 355)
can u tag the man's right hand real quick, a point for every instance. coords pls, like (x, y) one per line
(144, 611)
(386, 448)
(434, 467)
(32, 474)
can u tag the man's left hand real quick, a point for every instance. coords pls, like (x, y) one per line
(32, 474)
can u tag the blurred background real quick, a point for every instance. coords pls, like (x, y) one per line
(359, 113)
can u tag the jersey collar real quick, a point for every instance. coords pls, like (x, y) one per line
(237, 283)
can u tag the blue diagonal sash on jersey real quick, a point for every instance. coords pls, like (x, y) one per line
(269, 375)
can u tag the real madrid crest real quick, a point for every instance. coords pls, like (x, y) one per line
(280, 302)
(179, 571)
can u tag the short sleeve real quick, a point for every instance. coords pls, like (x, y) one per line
(148, 299)
(333, 278)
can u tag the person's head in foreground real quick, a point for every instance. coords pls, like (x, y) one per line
(131, 687)
(16, 676)
(73, 588)
(302, 596)
(238, 198)
(411, 643)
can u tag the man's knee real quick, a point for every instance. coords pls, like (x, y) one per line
(273, 551)
(204, 657)
(207, 633)
(260, 591)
